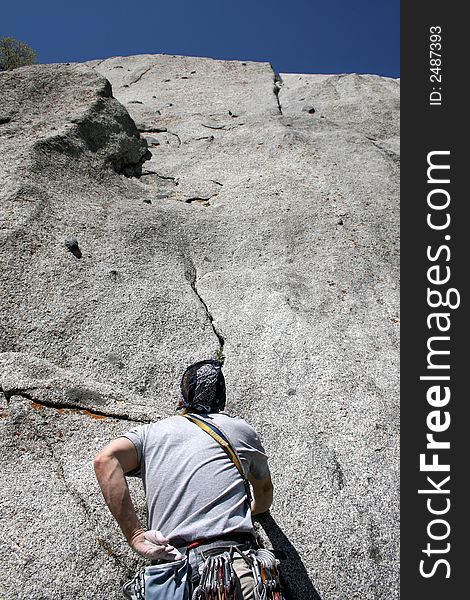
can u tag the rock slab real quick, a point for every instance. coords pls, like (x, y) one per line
(156, 210)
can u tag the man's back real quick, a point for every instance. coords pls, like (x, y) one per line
(195, 493)
(193, 489)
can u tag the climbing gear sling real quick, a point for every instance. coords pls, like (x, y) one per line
(217, 576)
(219, 436)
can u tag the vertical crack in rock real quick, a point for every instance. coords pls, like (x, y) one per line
(374, 543)
(177, 137)
(191, 275)
(91, 519)
(389, 153)
(338, 474)
(277, 88)
(141, 75)
(92, 522)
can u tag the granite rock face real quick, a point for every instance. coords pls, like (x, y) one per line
(157, 209)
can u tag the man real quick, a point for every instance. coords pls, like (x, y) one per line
(195, 495)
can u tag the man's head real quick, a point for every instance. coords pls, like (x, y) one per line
(203, 387)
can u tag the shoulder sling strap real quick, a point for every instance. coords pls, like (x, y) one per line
(219, 436)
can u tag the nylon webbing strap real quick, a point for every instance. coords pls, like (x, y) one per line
(224, 442)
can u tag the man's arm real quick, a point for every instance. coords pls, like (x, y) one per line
(111, 464)
(263, 494)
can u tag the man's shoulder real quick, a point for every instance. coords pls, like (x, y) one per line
(242, 434)
(167, 423)
(220, 418)
(225, 416)
(233, 425)
(233, 422)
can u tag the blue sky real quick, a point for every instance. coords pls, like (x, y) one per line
(300, 36)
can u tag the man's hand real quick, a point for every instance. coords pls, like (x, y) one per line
(152, 545)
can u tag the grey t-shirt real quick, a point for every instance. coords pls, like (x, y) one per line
(193, 489)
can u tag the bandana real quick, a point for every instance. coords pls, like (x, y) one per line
(206, 391)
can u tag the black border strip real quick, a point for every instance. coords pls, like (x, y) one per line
(433, 128)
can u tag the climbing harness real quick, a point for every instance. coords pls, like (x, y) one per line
(218, 579)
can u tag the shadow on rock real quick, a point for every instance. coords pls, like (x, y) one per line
(295, 580)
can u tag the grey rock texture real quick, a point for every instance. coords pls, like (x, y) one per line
(154, 210)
